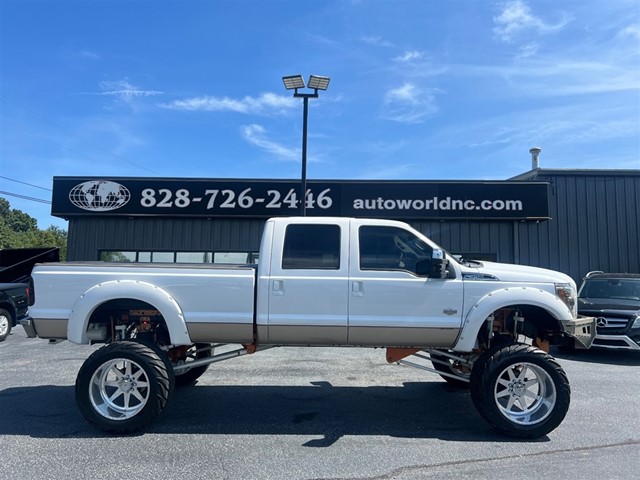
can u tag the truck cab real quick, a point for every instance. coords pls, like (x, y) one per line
(371, 283)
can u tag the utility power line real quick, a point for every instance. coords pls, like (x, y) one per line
(25, 183)
(25, 197)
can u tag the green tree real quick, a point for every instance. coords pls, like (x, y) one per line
(20, 230)
(17, 220)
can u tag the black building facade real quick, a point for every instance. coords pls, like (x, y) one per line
(573, 221)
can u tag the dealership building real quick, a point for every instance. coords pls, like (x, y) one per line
(574, 221)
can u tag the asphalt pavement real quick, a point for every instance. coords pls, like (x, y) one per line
(312, 413)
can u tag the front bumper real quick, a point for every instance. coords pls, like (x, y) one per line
(617, 342)
(582, 329)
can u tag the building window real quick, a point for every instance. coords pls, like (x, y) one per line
(193, 257)
(178, 257)
(118, 257)
(314, 247)
(163, 257)
(231, 257)
(144, 257)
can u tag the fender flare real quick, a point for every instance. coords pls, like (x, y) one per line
(90, 300)
(506, 297)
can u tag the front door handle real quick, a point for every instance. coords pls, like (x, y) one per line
(277, 287)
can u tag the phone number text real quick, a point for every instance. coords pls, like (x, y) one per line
(226, 198)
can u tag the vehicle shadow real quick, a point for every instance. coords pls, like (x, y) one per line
(601, 356)
(414, 410)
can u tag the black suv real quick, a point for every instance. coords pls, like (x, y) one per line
(614, 299)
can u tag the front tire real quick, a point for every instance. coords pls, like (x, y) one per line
(520, 390)
(122, 387)
(5, 324)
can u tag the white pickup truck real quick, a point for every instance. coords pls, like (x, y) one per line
(319, 282)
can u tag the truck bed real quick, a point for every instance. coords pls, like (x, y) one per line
(216, 302)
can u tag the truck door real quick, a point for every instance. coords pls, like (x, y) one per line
(389, 303)
(308, 285)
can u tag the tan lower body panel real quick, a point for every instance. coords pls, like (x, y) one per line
(220, 332)
(403, 336)
(307, 335)
(51, 327)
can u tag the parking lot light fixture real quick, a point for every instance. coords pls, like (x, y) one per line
(295, 82)
(318, 83)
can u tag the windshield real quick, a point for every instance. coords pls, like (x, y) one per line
(619, 288)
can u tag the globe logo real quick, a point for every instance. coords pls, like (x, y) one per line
(99, 196)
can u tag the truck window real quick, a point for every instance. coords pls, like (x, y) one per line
(391, 248)
(311, 247)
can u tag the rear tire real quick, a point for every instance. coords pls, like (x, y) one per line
(122, 387)
(191, 375)
(520, 390)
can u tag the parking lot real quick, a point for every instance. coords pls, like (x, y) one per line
(303, 413)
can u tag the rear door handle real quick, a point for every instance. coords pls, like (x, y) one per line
(357, 289)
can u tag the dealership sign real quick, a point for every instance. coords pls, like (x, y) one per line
(73, 196)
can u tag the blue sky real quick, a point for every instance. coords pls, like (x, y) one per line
(422, 90)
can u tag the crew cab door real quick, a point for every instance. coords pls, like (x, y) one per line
(308, 285)
(389, 303)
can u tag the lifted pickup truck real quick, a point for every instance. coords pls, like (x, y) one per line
(319, 282)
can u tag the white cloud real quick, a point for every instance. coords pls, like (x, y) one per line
(516, 17)
(266, 103)
(89, 54)
(124, 90)
(409, 56)
(376, 41)
(408, 104)
(256, 135)
(632, 31)
(559, 75)
(404, 94)
(576, 126)
(528, 50)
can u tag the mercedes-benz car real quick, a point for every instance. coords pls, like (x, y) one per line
(614, 299)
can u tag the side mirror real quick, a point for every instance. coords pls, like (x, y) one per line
(439, 265)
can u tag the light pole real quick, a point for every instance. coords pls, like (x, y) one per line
(294, 82)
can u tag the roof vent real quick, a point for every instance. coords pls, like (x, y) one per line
(535, 153)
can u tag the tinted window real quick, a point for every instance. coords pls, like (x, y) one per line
(622, 289)
(391, 248)
(179, 257)
(118, 256)
(193, 257)
(312, 247)
(231, 257)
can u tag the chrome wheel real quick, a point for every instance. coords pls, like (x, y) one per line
(119, 389)
(520, 390)
(123, 387)
(4, 325)
(525, 393)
